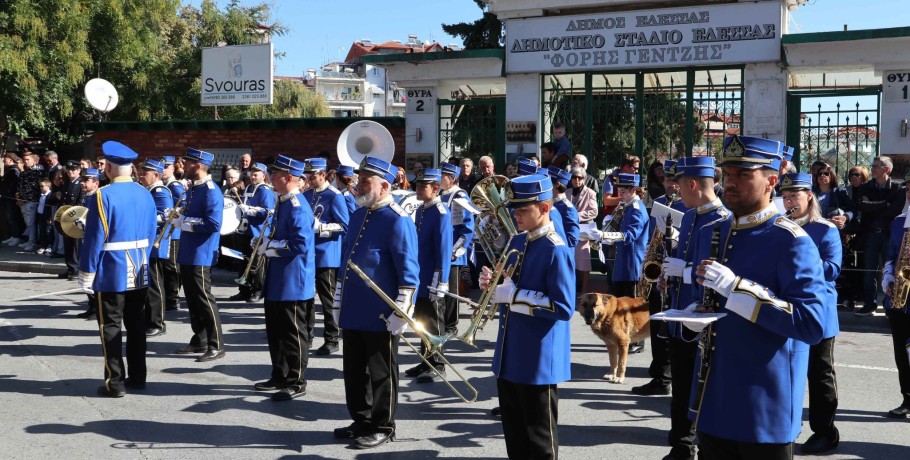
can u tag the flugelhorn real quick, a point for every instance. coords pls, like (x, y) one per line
(433, 343)
(255, 257)
(168, 227)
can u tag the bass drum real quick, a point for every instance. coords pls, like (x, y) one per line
(231, 217)
(408, 201)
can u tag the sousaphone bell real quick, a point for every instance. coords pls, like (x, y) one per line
(363, 139)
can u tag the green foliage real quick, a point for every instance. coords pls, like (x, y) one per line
(486, 32)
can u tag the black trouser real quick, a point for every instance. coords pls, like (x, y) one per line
(529, 419)
(822, 387)
(711, 448)
(624, 288)
(325, 289)
(256, 276)
(900, 334)
(155, 301)
(289, 343)
(659, 369)
(171, 272)
(118, 309)
(370, 364)
(682, 362)
(204, 320)
(428, 312)
(71, 254)
(450, 315)
(874, 254)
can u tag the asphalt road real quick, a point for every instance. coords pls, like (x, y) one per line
(50, 366)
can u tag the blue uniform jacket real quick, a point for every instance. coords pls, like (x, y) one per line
(119, 230)
(200, 247)
(258, 196)
(630, 252)
(292, 274)
(334, 210)
(894, 247)
(462, 222)
(164, 202)
(383, 243)
(434, 232)
(178, 192)
(350, 200)
(683, 294)
(757, 378)
(569, 216)
(536, 350)
(826, 237)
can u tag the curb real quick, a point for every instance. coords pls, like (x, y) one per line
(32, 267)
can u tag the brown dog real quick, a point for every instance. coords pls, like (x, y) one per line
(618, 322)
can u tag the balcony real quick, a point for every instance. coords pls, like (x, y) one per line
(351, 97)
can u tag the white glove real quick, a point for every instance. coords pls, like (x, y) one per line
(606, 220)
(611, 237)
(504, 292)
(719, 278)
(396, 324)
(159, 218)
(185, 226)
(263, 245)
(316, 224)
(249, 211)
(486, 275)
(458, 253)
(591, 234)
(436, 287)
(178, 222)
(887, 280)
(273, 246)
(86, 280)
(271, 252)
(674, 266)
(244, 208)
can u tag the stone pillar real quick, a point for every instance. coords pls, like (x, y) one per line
(523, 105)
(764, 101)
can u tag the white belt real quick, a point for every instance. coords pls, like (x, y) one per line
(122, 245)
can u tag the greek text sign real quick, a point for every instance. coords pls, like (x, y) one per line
(237, 75)
(896, 86)
(653, 38)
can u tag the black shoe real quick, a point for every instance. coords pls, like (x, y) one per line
(269, 385)
(136, 385)
(71, 277)
(211, 355)
(636, 347)
(88, 314)
(63, 276)
(327, 349)
(416, 370)
(113, 393)
(172, 305)
(155, 332)
(351, 431)
(428, 376)
(902, 411)
(370, 441)
(238, 296)
(496, 411)
(818, 443)
(866, 311)
(190, 350)
(652, 388)
(670, 456)
(289, 393)
(256, 297)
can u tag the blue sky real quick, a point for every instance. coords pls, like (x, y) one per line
(322, 31)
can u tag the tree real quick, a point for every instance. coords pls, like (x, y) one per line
(486, 32)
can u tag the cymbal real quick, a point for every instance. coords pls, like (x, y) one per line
(72, 222)
(58, 215)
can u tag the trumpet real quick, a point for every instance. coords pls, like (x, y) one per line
(168, 229)
(255, 258)
(433, 343)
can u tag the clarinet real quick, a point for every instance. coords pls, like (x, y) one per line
(664, 330)
(706, 340)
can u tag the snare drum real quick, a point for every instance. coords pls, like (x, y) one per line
(231, 217)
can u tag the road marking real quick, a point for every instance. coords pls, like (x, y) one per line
(871, 368)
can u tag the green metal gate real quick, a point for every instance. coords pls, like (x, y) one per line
(839, 127)
(653, 115)
(473, 128)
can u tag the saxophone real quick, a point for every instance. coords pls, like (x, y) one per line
(901, 286)
(655, 253)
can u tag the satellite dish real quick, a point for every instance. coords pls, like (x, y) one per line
(101, 95)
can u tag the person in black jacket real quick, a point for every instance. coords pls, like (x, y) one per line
(880, 200)
(71, 194)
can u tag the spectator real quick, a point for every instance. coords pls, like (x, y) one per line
(42, 217)
(401, 181)
(630, 165)
(416, 166)
(656, 180)
(549, 158)
(9, 188)
(246, 161)
(563, 151)
(53, 163)
(585, 201)
(85, 163)
(880, 201)
(511, 171)
(467, 179)
(232, 185)
(833, 201)
(58, 182)
(485, 166)
(178, 169)
(591, 182)
(28, 194)
(534, 160)
(818, 165)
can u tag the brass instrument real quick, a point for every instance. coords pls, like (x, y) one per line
(494, 224)
(255, 258)
(901, 287)
(654, 256)
(168, 227)
(485, 309)
(612, 225)
(432, 343)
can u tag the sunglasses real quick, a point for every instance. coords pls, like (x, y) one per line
(578, 177)
(824, 173)
(855, 174)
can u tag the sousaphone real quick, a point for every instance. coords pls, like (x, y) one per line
(72, 221)
(363, 139)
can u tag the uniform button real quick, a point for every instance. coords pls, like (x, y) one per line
(734, 233)
(730, 246)
(725, 260)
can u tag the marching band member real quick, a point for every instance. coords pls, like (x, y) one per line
(567, 212)
(434, 232)
(695, 178)
(769, 282)
(533, 347)
(796, 190)
(258, 201)
(332, 215)
(462, 212)
(527, 166)
(149, 175)
(200, 223)
(659, 370)
(383, 243)
(346, 179)
(289, 288)
(170, 269)
(113, 264)
(89, 182)
(898, 315)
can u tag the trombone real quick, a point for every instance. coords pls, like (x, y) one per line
(168, 229)
(432, 342)
(254, 256)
